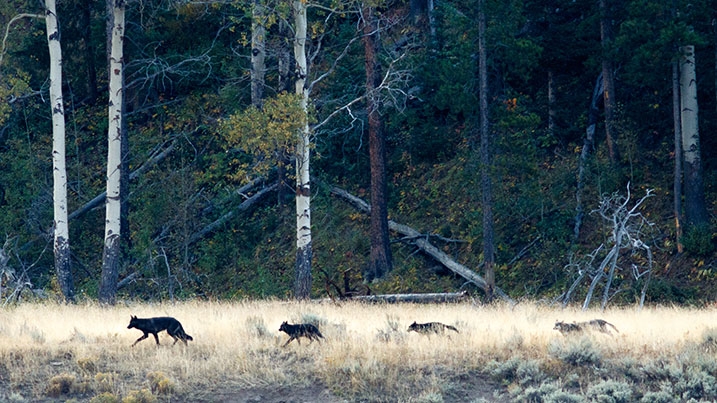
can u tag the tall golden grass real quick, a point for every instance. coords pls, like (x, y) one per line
(367, 354)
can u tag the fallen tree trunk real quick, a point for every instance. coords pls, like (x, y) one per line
(429, 298)
(245, 205)
(423, 244)
(100, 198)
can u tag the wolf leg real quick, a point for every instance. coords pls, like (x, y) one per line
(140, 339)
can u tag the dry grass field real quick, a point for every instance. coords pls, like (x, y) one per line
(51, 352)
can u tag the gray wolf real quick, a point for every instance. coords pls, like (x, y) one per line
(307, 330)
(156, 325)
(430, 327)
(576, 327)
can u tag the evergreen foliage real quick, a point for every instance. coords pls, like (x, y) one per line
(187, 75)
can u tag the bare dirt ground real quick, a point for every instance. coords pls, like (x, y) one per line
(464, 388)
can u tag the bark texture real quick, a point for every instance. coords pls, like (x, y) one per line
(59, 170)
(695, 209)
(380, 259)
(677, 183)
(486, 159)
(302, 285)
(258, 53)
(609, 81)
(112, 251)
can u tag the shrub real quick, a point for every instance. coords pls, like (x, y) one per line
(392, 331)
(709, 339)
(698, 240)
(140, 396)
(610, 392)
(659, 397)
(697, 385)
(576, 353)
(104, 382)
(87, 365)
(257, 326)
(160, 383)
(529, 372)
(60, 385)
(504, 372)
(548, 392)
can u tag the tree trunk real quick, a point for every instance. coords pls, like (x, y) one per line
(380, 261)
(588, 144)
(486, 159)
(677, 184)
(258, 53)
(695, 209)
(551, 103)
(608, 81)
(112, 250)
(89, 51)
(302, 285)
(59, 170)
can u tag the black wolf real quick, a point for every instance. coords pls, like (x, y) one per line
(430, 327)
(307, 330)
(156, 325)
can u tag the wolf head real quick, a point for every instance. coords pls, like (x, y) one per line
(132, 322)
(284, 327)
(413, 327)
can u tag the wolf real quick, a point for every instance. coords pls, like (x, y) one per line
(156, 325)
(307, 330)
(565, 328)
(430, 327)
(600, 325)
(576, 327)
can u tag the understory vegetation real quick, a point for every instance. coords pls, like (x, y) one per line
(196, 140)
(82, 352)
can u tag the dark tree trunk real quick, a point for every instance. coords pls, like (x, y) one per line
(64, 272)
(110, 270)
(677, 185)
(486, 159)
(303, 280)
(608, 81)
(380, 261)
(588, 144)
(89, 51)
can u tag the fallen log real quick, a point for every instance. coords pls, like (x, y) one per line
(422, 243)
(429, 298)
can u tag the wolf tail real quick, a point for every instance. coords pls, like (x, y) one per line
(452, 328)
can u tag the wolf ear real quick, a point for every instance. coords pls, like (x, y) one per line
(132, 317)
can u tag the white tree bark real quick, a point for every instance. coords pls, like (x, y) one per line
(695, 209)
(302, 288)
(111, 253)
(258, 52)
(62, 233)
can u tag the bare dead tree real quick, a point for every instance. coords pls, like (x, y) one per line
(628, 227)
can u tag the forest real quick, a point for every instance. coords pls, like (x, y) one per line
(556, 151)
